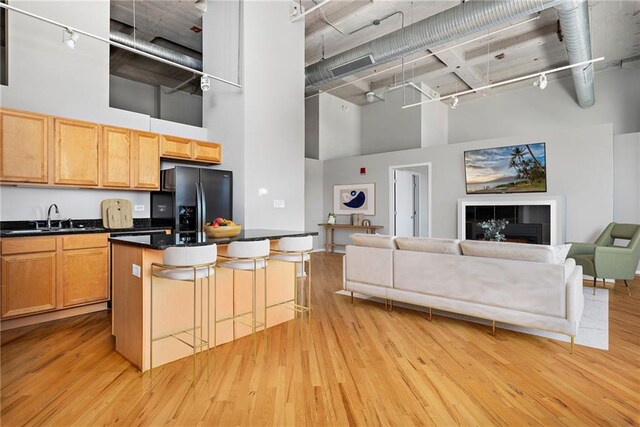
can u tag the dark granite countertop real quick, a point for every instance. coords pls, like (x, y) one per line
(80, 226)
(163, 241)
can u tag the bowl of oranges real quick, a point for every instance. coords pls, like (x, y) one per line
(221, 227)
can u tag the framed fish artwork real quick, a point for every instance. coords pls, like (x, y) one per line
(354, 198)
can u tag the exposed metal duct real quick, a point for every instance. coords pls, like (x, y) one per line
(159, 51)
(459, 22)
(574, 22)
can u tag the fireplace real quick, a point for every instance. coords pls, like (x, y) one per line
(531, 220)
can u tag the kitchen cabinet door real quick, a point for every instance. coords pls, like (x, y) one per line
(85, 275)
(116, 157)
(24, 147)
(207, 152)
(146, 160)
(28, 283)
(175, 147)
(76, 152)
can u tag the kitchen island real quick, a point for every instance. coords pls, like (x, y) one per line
(131, 259)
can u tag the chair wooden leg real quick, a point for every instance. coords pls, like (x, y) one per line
(627, 286)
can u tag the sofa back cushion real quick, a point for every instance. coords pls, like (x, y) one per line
(374, 240)
(427, 244)
(371, 266)
(516, 251)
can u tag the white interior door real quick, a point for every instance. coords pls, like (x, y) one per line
(404, 203)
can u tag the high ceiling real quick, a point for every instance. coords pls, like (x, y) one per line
(522, 49)
(176, 25)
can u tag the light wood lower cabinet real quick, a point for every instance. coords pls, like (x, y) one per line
(48, 273)
(28, 283)
(85, 275)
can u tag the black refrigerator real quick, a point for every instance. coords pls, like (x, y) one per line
(189, 197)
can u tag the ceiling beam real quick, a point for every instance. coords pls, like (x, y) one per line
(337, 17)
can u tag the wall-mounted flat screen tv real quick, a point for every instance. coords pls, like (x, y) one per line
(511, 169)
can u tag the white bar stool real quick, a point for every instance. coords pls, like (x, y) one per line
(186, 264)
(246, 256)
(296, 250)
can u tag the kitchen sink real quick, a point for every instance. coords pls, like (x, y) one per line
(53, 230)
(22, 231)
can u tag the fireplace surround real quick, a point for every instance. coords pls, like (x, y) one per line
(537, 220)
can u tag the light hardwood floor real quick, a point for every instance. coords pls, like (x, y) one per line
(352, 364)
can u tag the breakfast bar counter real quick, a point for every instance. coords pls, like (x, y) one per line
(131, 259)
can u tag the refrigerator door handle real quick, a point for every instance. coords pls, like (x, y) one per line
(203, 205)
(199, 221)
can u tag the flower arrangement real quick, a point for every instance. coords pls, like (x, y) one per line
(493, 229)
(331, 219)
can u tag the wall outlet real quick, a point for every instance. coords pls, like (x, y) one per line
(278, 204)
(138, 208)
(135, 270)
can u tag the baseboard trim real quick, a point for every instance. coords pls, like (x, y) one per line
(8, 324)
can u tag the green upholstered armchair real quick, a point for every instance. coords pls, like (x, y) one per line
(604, 260)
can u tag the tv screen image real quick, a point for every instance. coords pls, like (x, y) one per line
(511, 169)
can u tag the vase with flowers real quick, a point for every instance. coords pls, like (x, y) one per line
(493, 229)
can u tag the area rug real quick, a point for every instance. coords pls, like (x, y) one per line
(593, 331)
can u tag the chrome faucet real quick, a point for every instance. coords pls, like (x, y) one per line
(53, 205)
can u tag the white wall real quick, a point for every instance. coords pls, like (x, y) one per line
(133, 96)
(312, 128)
(22, 203)
(626, 178)
(47, 77)
(339, 127)
(530, 109)
(315, 213)
(387, 127)
(434, 124)
(579, 167)
(262, 125)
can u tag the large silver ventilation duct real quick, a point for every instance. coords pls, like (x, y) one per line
(574, 22)
(159, 51)
(453, 24)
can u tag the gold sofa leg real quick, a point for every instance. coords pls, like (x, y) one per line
(493, 328)
(627, 286)
(572, 340)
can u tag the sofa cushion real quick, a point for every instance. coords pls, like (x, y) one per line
(374, 240)
(427, 244)
(516, 251)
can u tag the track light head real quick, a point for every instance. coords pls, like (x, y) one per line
(202, 5)
(205, 83)
(454, 102)
(541, 82)
(69, 37)
(371, 96)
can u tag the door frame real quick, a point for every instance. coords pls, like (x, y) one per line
(428, 205)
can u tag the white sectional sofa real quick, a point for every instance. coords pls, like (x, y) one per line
(521, 284)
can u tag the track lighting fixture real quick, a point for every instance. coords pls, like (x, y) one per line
(454, 102)
(205, 83)
(371, 96)
(69, 37)
(202, 5)
(541, 82)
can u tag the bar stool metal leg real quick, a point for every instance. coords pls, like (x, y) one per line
(151, 327)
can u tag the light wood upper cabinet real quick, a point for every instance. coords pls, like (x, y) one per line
(85, 274)
(175, 147)
(116, 157)
(28, 283)
(145, 160)
(24, 147)
(76, 152)
(207, 151)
